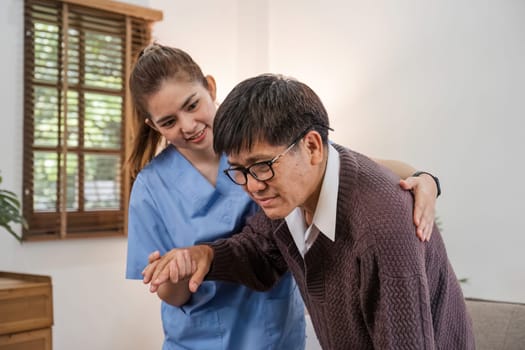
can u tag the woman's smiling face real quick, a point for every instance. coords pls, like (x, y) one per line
(183, 112)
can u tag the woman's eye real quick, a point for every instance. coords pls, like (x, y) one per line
(193, 105)
(168, 123)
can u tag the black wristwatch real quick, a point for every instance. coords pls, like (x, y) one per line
(436, 180)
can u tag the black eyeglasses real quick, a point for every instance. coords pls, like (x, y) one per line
(261, 171)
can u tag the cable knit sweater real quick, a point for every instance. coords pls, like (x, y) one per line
(377, 286)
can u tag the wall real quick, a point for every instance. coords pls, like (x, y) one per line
(438, 84)
(228, 39)
(446, 76)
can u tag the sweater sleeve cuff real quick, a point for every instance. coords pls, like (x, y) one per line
(222, 261)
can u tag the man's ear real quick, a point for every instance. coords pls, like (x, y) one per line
(314, 146)
(212, 87)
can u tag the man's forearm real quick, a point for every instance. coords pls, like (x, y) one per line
(233, 263)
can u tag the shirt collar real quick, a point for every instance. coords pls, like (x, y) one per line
(326, 210)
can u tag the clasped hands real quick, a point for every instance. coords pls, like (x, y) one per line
(177, 265)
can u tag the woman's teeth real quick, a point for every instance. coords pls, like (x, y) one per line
(196, 136)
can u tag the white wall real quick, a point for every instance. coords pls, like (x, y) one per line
(228, 39)
(438, 84)
(94, 306)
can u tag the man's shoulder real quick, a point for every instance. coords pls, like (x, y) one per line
(370, 194)
(361, 174)
(359, 163)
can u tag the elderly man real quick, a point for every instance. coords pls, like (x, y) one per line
(339, 222)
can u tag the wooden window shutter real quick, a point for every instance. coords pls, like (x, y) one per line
(77, 59)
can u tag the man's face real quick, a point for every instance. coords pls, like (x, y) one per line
(294, 184)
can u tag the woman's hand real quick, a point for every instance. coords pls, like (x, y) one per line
(425, 194)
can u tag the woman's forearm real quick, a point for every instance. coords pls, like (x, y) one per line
(176, 294)
(403, 170)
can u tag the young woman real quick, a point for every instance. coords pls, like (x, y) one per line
(182, 198)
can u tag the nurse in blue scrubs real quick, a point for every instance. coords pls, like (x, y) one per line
(180, 197)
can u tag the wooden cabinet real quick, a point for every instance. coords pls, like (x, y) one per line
(26, 312)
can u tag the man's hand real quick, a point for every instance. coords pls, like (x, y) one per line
(191, 263)
(425, 192)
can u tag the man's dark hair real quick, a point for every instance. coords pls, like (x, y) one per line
(267, 108)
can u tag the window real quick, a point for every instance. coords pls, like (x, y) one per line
(78, 55)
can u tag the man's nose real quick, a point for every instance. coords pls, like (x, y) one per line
(253, 185)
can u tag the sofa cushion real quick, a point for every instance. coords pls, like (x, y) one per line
(497, 325)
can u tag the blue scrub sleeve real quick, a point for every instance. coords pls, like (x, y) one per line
(145, 230)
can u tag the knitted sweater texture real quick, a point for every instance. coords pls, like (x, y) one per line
(376, 286)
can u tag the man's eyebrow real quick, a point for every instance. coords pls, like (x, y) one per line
(184, 105)
(256, 158)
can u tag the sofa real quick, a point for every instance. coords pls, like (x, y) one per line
(497, 325)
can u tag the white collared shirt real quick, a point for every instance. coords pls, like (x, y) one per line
(325, 212)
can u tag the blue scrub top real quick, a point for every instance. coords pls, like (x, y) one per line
(173, 205)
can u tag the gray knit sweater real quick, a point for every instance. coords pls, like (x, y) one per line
(377, 286)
